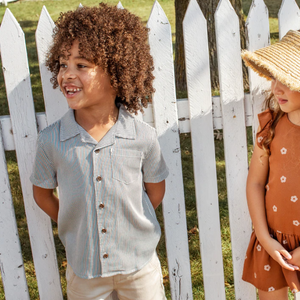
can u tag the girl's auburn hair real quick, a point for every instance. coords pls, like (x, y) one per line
(271, 104)
(114, 39)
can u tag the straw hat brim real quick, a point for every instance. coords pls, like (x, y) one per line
(279, 61)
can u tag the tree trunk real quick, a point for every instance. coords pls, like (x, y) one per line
(208, 8)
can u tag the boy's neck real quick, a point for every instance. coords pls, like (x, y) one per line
(97, 121)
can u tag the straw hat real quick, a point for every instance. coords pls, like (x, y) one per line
(280, 61)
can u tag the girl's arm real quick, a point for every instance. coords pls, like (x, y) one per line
(155, 192)
(47, 201)
(256, 181)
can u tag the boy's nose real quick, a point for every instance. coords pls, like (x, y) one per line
(68, 74)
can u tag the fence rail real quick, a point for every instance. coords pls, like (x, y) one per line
(200, 115)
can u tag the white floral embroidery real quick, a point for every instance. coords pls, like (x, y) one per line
(283, 151)
(278, 231)
(296, 223)
(294, 198)
(267, 267)
(255, 275)
(259, 139)
(271, 289)
(283, 179)
(258, 247)
(267, 187)
(284, 242)
(275, 208)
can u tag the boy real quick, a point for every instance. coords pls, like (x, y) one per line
(107, 164)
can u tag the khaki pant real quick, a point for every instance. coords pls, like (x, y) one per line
(145, 284)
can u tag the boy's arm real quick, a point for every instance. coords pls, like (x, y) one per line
(155, 192)
(47, 201)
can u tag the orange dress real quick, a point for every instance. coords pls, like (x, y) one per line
(282, 202)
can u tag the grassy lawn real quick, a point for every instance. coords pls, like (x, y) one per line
(27, 13)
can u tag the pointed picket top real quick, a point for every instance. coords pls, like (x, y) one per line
(195, 36)
(55, 103)
(258, 36)
(119, 5)
(228, 48)
(157, 15)
(9, 22)
(258, 25)
(224, 5)
(288, 17)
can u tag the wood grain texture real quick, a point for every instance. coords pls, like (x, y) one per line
(18, 88)
(166, 123)
(235, 142)
(201, 120)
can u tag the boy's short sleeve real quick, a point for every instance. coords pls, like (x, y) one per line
(154, 166)
(43, 174)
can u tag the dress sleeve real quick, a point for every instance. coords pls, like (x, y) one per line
(265, 121)
(154, 167)
(44, 173)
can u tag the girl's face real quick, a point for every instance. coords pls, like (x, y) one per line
(84, 84)
(289, 101)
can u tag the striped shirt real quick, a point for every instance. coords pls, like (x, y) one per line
(106, 220)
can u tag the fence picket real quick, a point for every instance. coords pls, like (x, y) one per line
(11, 261)
(199, 92)
(55, 103)
(258, 36)
(18, 88)
(288, 17)
(235, 143)
(166, 123)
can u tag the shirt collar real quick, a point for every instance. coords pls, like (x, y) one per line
(124, 126)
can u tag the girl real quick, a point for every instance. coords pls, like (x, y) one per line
(273, 185)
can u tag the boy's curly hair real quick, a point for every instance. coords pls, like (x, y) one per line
(116, 40)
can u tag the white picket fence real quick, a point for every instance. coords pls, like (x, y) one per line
(200, 115)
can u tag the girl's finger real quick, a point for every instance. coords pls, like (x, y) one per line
(285, 254)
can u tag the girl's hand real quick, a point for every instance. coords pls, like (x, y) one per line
(295, 260)
(279, 254)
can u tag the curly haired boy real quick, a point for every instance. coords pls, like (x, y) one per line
(108, 164)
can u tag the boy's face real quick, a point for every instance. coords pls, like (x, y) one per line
(85, 85)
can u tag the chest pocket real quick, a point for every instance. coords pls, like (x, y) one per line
(126, 165)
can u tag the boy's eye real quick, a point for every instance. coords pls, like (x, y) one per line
(62, 65)
(80, 66)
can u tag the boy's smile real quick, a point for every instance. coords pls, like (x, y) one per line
(84, 84)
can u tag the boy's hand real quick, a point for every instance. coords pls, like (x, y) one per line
(295, 260)
(279, 254)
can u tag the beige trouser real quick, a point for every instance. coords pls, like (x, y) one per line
(145, 284)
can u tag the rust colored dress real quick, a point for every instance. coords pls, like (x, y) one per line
(282, 202)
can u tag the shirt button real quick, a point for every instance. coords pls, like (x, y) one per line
(105, 255)
(98, 178)
(103, 230)
(97, 151)
(101, 205)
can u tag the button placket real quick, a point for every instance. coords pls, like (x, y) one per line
(98, 171)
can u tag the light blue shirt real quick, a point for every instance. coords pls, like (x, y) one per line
(106, 220)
